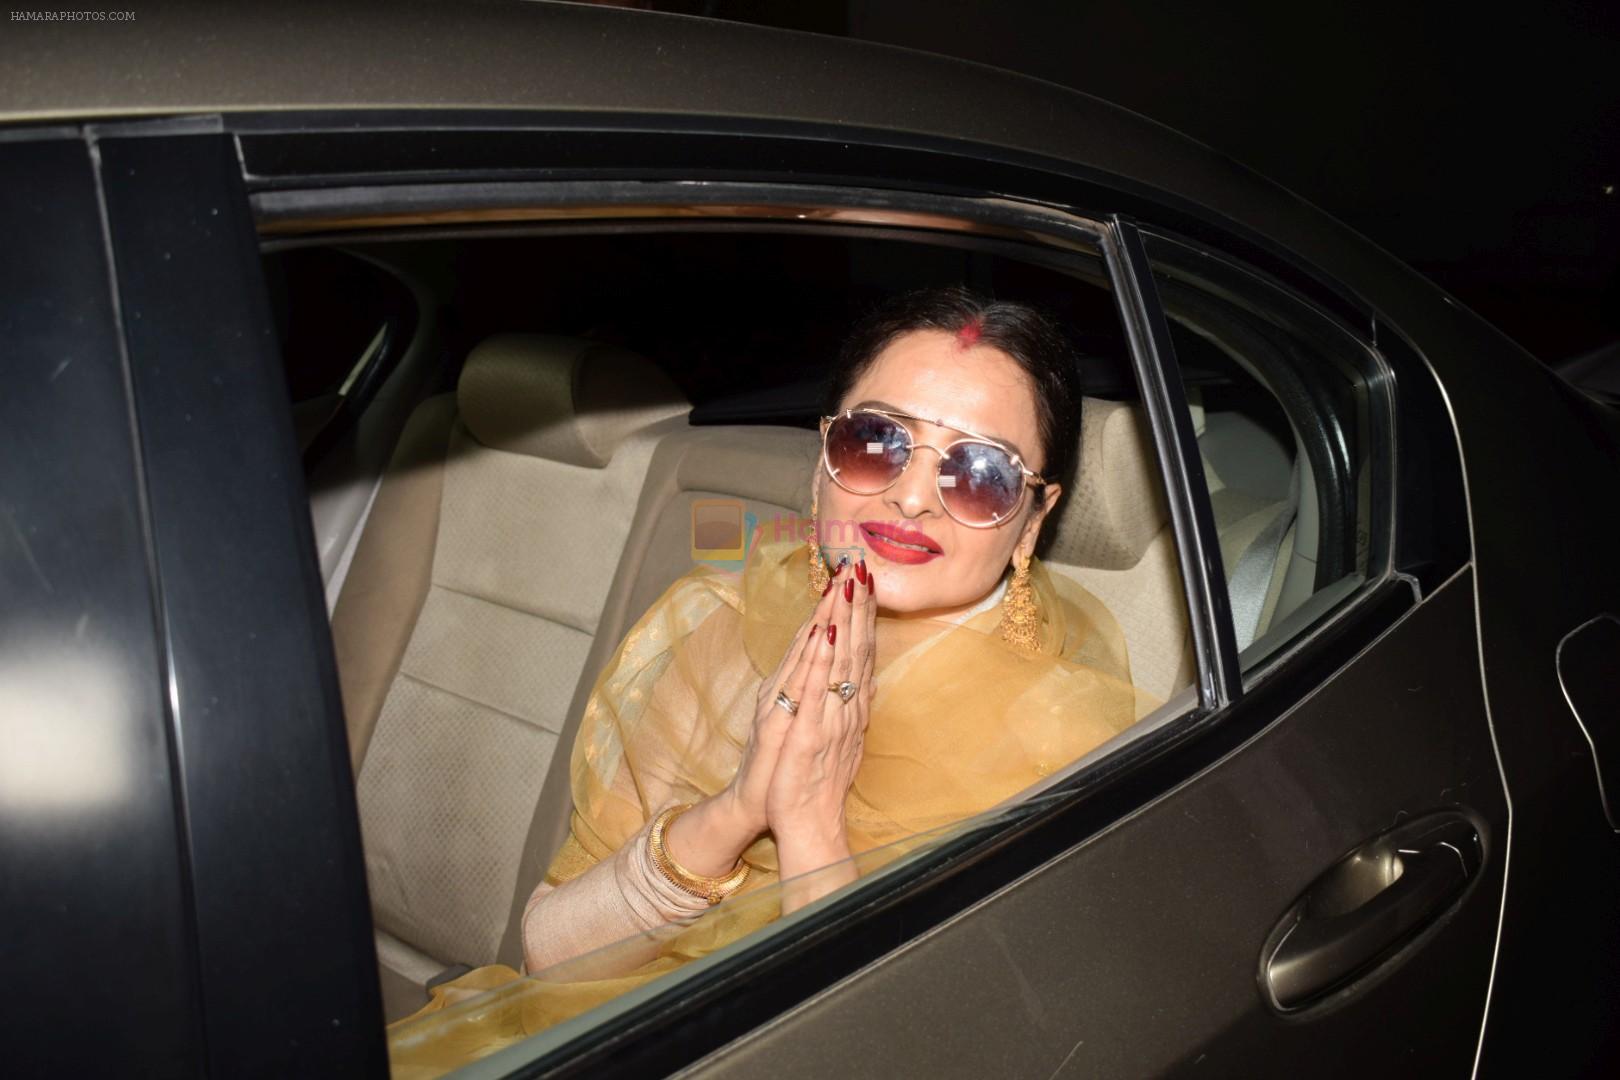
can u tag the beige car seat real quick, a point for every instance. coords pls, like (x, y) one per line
(1256, 513)
(1113, 536)
(465, 623)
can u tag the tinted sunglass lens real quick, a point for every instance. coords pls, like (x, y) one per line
(979, 484)
(866, 451)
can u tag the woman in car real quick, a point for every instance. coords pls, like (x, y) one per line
(907, 665)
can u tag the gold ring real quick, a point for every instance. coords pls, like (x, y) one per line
(845, 690)
(787, 703)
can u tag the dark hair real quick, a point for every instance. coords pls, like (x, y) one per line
(1024, 333)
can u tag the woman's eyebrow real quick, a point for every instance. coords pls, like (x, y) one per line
(876, 404)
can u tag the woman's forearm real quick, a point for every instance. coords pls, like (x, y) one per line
(624, 902)
(565, 922)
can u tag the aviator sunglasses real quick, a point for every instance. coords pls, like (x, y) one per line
(981, 481)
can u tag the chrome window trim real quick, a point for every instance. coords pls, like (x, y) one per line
(360, 209)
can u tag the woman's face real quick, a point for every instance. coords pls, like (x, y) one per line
(975, 387)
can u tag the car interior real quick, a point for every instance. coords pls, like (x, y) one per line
(505, 430)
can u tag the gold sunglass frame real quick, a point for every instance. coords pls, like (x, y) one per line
(1031, 477)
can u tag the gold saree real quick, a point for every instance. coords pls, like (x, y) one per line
(959, 722)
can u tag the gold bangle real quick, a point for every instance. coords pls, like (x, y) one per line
(712, 889)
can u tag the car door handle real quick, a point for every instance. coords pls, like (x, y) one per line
(1372, 900)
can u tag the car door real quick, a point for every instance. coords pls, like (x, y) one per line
(182, 872)
(1131, 925)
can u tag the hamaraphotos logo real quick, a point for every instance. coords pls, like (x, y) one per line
(724, 531)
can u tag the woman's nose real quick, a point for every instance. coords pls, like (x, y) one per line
(916, 493)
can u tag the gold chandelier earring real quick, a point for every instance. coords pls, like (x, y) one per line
(819, 576)
(1020, 615)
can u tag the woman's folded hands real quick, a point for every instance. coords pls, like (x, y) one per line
(798, 766)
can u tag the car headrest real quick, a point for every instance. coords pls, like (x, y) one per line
(1118, 506)
(561, 398)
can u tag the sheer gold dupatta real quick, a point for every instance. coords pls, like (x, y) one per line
(959, 722)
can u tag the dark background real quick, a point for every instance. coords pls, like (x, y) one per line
(1480, 143)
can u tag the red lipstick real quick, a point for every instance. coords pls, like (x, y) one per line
(890, 542)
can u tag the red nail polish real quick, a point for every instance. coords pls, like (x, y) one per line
(832, 634)
(828, 587)
(849, 590)
(871, 584)
(860, 571)
(813, 629)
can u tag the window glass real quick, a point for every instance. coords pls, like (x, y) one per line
(515, 1019)
(1287, 411)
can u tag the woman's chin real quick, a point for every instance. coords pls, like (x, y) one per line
(921, 606)
(895, 601)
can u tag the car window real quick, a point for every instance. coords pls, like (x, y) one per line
(1291, 428)
(468, 677)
